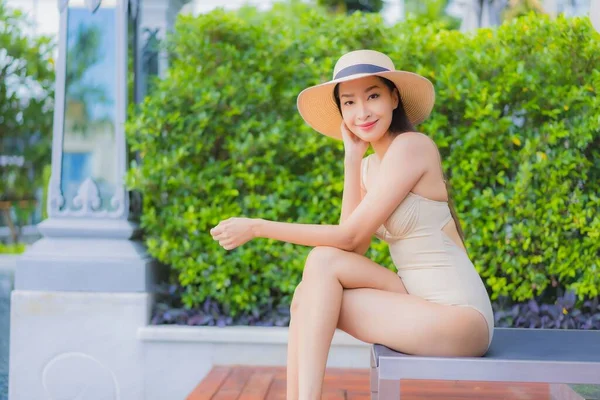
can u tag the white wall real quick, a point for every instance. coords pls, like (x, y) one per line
(43, 12)
(392, 11)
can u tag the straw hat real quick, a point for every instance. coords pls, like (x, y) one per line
(317, 105)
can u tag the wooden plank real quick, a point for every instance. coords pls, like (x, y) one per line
(258, 385)
(234, 384)
(277, 391)
(333, 394)
(358, 396)
(210, 384)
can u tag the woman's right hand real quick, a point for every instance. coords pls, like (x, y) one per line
(354, 147)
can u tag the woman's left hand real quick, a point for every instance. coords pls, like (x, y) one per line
(233, 232)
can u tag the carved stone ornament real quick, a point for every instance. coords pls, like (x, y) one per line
(91, 4)
(94, 380)
(87, 202)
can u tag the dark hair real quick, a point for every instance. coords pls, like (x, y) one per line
(400, 124)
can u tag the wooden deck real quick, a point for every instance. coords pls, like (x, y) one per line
(269, 383)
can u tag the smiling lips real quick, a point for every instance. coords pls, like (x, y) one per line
(367, 126)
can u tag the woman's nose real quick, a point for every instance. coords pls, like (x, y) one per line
(363, 112)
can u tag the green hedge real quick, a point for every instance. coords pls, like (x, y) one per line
(15, 248)
(26, 112)
(221, 137)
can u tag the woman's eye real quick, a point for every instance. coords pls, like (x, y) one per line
(374, 95)
(348, 102)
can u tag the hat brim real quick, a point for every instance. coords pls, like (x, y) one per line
(317, 106)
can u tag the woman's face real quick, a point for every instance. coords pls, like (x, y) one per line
(367, 106)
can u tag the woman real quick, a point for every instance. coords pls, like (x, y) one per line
(436, 304)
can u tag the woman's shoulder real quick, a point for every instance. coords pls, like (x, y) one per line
(413, 141)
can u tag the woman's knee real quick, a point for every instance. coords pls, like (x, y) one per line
(321, 260)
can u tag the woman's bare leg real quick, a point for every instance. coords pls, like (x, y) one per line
(412, 325)
(319, 315)
(320, 308)
(375, 308)
(292, 350)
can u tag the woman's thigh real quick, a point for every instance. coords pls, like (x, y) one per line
(376, 308)
(351, 269)
(412, 325)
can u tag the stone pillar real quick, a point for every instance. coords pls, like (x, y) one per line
(83, 290)
(157, 18)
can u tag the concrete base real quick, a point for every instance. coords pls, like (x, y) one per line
(69, 345)
(87, 265)
(177, 358)
(8, 263)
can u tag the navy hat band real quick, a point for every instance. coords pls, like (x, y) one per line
(359, 69)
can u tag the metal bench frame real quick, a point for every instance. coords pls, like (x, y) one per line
(515, 355)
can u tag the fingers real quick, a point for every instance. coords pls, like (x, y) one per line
(221, 236)
(228, 246)
(348, 133)
(225, 238)
(225, 241)
(344, 128)
(220, 228)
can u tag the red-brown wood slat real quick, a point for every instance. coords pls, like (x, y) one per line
(234, 384)
(269, 383)
(258, 385)
(210, 384)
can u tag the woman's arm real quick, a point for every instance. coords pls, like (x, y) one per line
(322, 235)
(353, 194)
(304, 234)
(404, 154)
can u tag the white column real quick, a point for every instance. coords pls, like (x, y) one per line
(393, 11)
(469, 10)
(85, 288)
(550, 7)
(595, 14)
(161, 15)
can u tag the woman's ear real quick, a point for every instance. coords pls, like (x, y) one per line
(395, 98)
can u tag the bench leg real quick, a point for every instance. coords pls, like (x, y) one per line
(388, 389)
(374, 383)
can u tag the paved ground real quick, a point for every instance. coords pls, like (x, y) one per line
(5, 287)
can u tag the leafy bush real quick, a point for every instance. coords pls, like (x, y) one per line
(353, 5)
(517, 121)
(26, 111)
(15, 248)
(431, 11)
(562, 314)
(170, 310)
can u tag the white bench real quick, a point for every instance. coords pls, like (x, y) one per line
(555, 356)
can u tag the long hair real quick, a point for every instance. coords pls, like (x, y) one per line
(399, 125)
